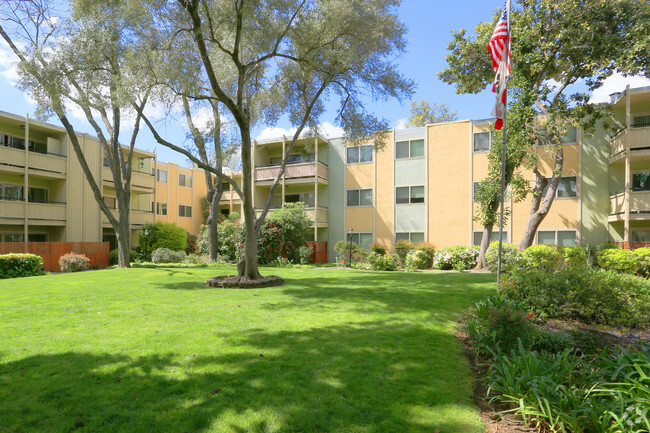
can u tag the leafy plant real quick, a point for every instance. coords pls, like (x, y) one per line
(623, 261)
(378, 248)
(575, 256)
(72, 262)
(458, 258)
(416, 259)
(643, 255)
(20, 265)
(305, 254)
(383, 262)
(342, 249)
(510, 257)
(542, 257)
(429, 250)
(402, 248)
(594, 249)
(165, 255)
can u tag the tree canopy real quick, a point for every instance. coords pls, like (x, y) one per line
(423, 114)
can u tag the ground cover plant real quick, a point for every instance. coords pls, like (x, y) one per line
(331, 350)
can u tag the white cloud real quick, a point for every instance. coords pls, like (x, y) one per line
(402, 123)
(326, 129)
(616, 83)
(330, 130)
(8, 64)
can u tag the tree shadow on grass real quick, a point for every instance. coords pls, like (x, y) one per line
(372, 377)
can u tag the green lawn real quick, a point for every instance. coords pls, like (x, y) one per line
(153, 350)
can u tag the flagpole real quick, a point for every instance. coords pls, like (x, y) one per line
(503, 160)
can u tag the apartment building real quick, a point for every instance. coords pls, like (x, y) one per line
(418, 186)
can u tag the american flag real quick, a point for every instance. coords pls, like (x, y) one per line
(499, 48)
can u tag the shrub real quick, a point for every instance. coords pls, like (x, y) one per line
(550, 341)
(383, 262)
(594, 249)
(305, 254)
(163, 235)
(510, 257)
(416, 259)
(430, 251)
(165, 255)
(20, 265)
(234, 216)
(113, 256)
(575, 256)
(590, 295)
(342, 249)
(458, 258)
(542, 257)
(72, 262)
(190, 247)
(293, 224)
(378, 248)
(402, 248)
(196, 259)
(623, 261)
(496, 323)
(643, 267)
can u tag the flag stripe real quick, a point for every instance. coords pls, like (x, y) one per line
(499, 49)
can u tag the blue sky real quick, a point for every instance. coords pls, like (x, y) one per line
(429, 31)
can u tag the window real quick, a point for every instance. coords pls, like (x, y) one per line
(37, 237)
(409, 149)
(106, 163)
(184, 211)
(360, 197)
(162, 176)
(641, 236)
(571, 136)
(306, 197)
(11, 192)
(37, 195)
(414, 237)
(641, 121)
(409, 194)
(641, 181)
(14, 237)
(482, 141)
(567, 188)
(359, 154)
(185, 180)
(566, 238)
(362, 239)
(494, 237)
(111, 202)
(226, 186)
(161, 209)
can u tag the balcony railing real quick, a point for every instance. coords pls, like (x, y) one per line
(639, 202)
(43, 162)
(140, 179)
(319, 215)
(15, 208)
(292, 171)
(634, 138)
(138, 217)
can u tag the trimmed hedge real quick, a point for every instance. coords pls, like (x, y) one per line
(20, 265)
(165, 255)
(510, 257)
(623, 261)
(542, 257)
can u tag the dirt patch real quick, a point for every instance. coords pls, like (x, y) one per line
(235, 282)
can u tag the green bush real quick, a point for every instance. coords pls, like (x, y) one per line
(383, 262)
(575, 256)
(402, 248)
(234, 216)
(165, 255)
(305, 253)
(162, 235)
(550, 341)
(459, 258)
(294, 225)
(416, 259)
(542, 257)
(510, 257)
(429, 250)
(643, 255)
(20, 265)
(378, 248)
(623, 261)
(594, 249)
(590, 295)
(342, 249)
(496, 323)
(113, 256)
(72, 262)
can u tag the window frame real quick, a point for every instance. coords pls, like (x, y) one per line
(159, 207)
(410, 236)
(556, 231)
(349, 237)
(557, 197)
(410, 194)
(410, 147)
(4, 185)
(162, 170)
(474, 150)
(185, 208)
(358, 151)
(358, 190)
(186, 177)
(495, 235)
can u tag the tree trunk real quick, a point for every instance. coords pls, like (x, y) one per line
(123, 227)
(485, 243)
(213, 232)
(540, 206)
(250, 269)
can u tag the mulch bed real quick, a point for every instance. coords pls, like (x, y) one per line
(235, 282)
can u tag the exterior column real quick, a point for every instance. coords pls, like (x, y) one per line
(628, 171)
(316, 188)
(284, 149)
(26, 185)
(155, 184)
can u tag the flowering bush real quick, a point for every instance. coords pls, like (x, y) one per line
(383, 262)
(165, 255)
(72, 262)
(429, 250)
(416, 259)
(378, 248)
(402, 248)
(458, 258)
(20, 265)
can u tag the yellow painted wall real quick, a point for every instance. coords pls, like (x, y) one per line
(384, 194)
(83, 214)
(362, 218)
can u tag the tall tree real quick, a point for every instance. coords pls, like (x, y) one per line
(286, 57)
(79, 61)
(556, 44)
(423, 114)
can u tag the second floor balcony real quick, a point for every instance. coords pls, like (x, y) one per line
(635, 138)
(48, 212)
(141, 181)
(294, 173)
(138, 217)
(317, 216)
(41, 163)
(639, 202)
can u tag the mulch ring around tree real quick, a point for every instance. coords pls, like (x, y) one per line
(235, 282)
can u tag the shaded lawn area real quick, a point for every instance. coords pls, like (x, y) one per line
(136, 350)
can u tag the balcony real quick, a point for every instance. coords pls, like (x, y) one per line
(50, 213)
(140, 181)
(227, 195)
(45, 164)
(639, 206)
(138, 217)
(294, 173)
(319, 215)
(633, 139)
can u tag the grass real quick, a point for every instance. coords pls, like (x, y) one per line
(135, 350)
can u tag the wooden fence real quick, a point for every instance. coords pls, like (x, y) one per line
(320, 251)
(97, 252)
